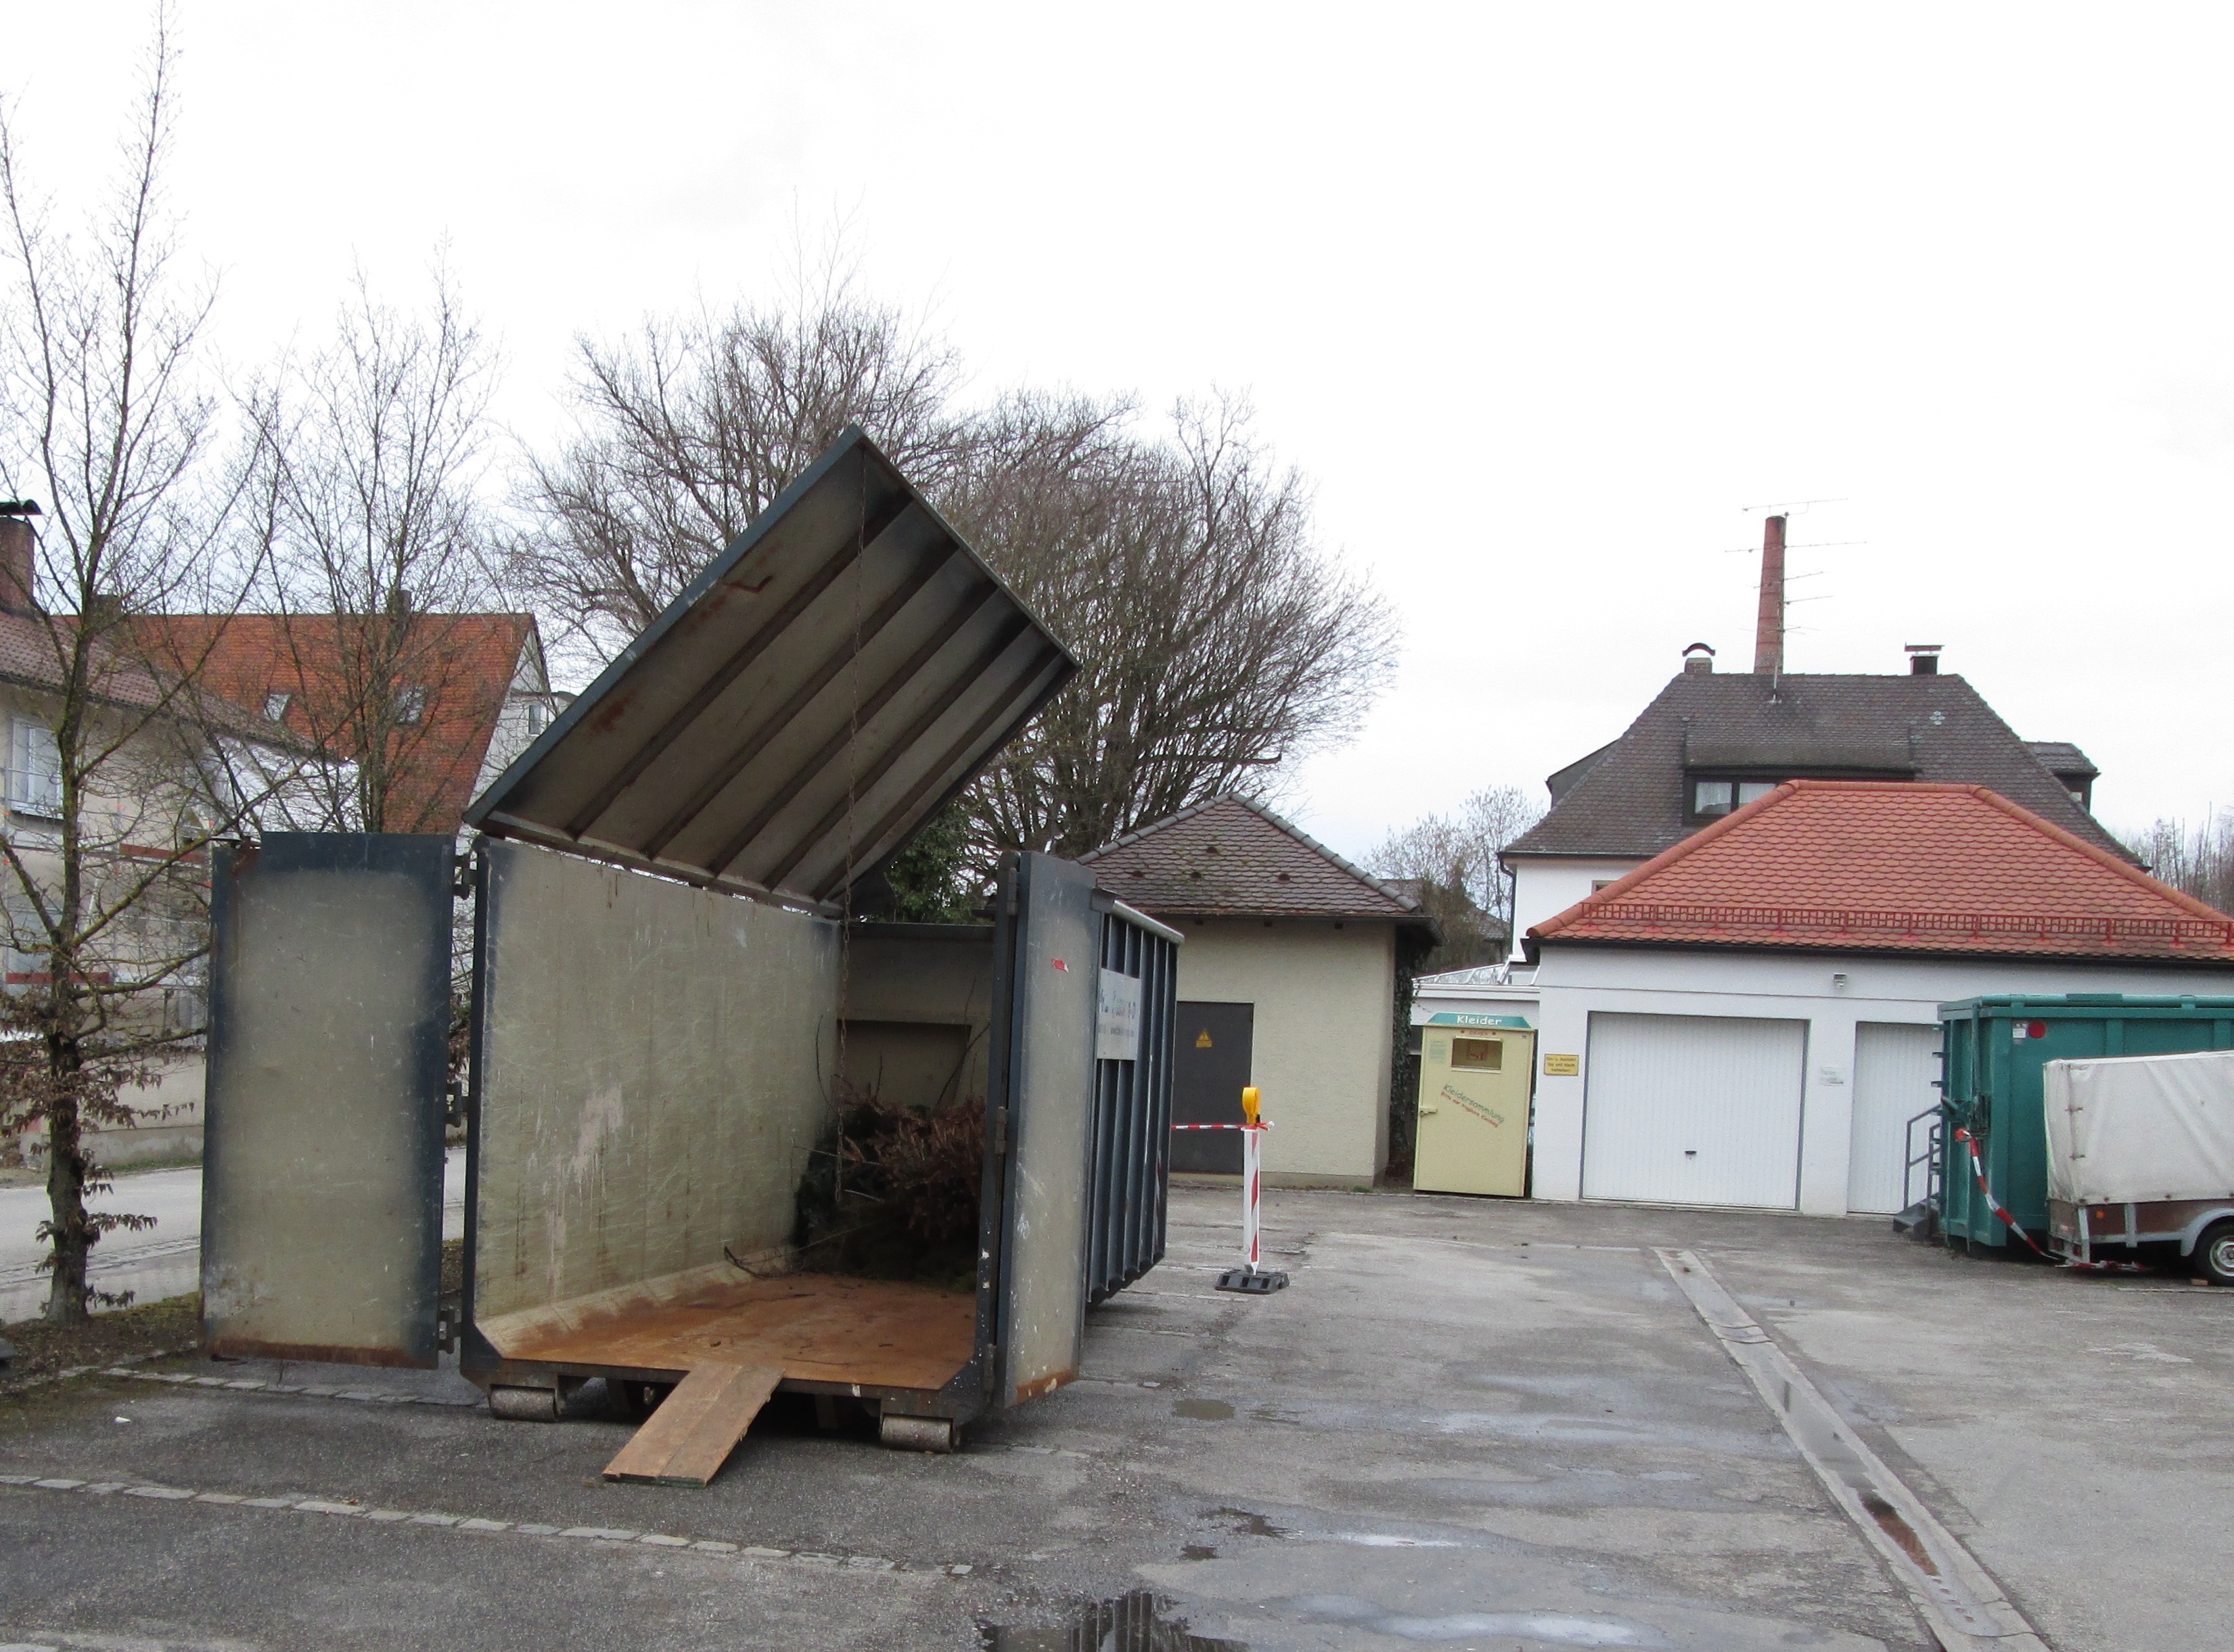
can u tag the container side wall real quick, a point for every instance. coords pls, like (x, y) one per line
(654, 1064)
(1049, 1029)
(323, 1173)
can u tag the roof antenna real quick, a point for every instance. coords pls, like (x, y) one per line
(1768, 627)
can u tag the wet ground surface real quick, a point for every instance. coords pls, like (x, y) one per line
(1466, 1424)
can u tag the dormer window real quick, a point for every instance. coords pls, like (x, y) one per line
(410, 705)
(275, 704)
(1713, 798)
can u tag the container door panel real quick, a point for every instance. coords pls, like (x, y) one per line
(1044, 1038)
(1895, 1066)
(1694, 1110)
(321, 1180)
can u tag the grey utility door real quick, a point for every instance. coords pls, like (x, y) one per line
(1210, 1066)
(322, 1177)
(1047, 964)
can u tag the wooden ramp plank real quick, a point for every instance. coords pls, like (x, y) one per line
(686, 1441)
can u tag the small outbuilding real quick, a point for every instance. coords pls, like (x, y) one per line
(1287, 981)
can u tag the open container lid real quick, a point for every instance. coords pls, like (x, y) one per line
(829, 681)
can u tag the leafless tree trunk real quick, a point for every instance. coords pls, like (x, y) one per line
(123, 773)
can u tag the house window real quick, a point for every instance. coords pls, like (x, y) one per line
(275, 704)
(1478, 1054)
(34, 768)
(1711, 800)
(410, 705)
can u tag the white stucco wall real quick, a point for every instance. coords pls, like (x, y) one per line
(1320, 1046)
(1544, 888)
(1573, 982)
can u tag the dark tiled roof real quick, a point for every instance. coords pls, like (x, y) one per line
(2060, 757)
(1229, 858)
(1630, 800)
(1880, 866)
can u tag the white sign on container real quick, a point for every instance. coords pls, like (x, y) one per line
(1117, 1026)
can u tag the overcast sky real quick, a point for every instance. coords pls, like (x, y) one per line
(1542, 298)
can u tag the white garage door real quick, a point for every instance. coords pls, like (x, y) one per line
(1894, 1066)
(1694, 1110)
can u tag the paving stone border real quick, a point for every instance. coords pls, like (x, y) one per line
(612, 1536)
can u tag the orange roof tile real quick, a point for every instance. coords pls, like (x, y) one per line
(1897, 866)
(467, 662)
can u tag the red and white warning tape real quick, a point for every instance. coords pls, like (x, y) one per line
(1978, 1170)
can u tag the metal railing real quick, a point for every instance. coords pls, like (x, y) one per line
(1933, 1120)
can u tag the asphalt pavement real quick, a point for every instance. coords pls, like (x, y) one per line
(161, 1261)
(1467, 1423)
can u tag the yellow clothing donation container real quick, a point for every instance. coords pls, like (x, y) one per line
(1475, 1075)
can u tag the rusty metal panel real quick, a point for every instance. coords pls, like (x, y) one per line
(1047, 961)
(841, 668)
(322, 1175)
(652, 1060)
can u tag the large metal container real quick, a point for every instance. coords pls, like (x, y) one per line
(1994, 1051)
(670, 995)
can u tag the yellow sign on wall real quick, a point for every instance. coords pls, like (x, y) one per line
(1561, 1067)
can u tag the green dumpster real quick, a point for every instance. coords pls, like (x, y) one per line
(1993, 1049)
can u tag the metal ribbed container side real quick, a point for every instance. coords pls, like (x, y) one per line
(1132, 1118)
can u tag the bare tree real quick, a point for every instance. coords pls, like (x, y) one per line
(120, 772)
(1453, 859)
(379, 552)
(1219, 642)
(2196, 860)
(687, 431)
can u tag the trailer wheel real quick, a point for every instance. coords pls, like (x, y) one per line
(2214, 1253)
(635, 1399)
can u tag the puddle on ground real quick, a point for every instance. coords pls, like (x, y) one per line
(1139, 1621)
(1196, 1552)
(1248, 1523)
(1204, 1410)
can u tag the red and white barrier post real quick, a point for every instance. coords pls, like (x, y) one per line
(1250, 1278)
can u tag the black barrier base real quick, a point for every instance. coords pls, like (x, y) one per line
(1252, 1284)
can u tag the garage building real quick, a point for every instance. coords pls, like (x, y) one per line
(1751, 1018)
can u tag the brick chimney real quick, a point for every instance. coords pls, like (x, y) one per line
(1923, 659)
(1768, 630)
(1698, 659)
(18, 556)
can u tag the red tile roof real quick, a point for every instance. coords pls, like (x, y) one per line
(1229, 858)
(1897, 866)
(31, 647)
(468, 662)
